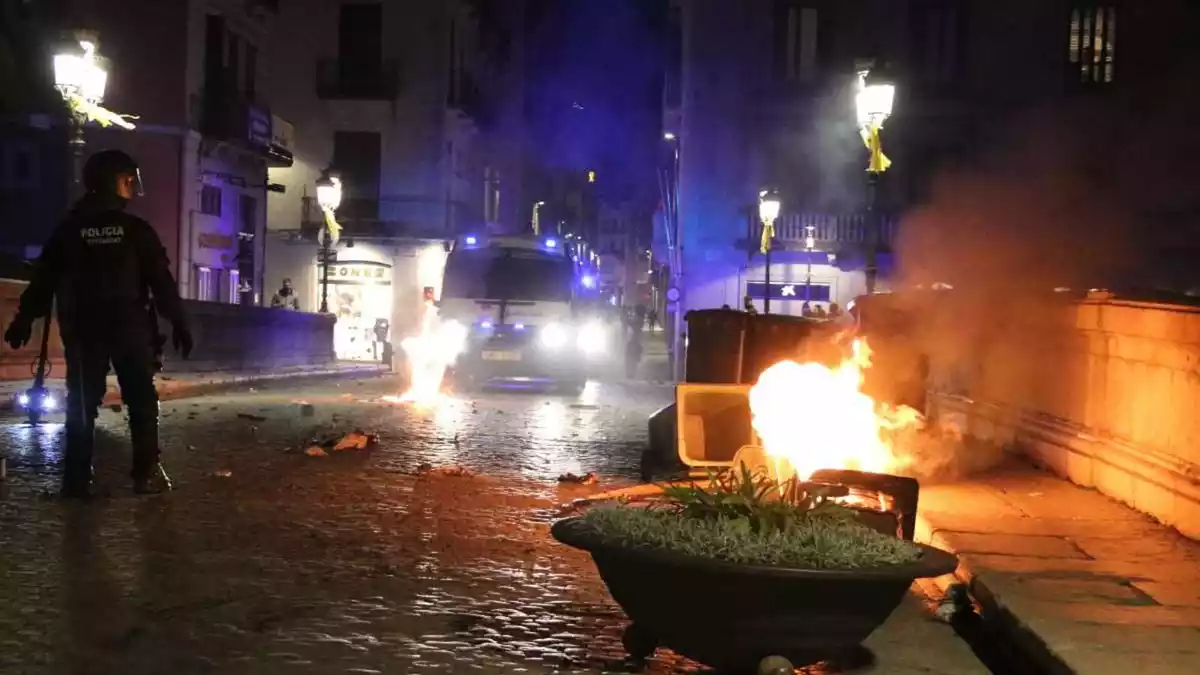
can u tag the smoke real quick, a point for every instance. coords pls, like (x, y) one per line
(1079, 195)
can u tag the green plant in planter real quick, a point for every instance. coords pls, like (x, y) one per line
(747, 518)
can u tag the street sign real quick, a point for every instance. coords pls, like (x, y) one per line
(673, 295)
(327, 256)
(788, 291)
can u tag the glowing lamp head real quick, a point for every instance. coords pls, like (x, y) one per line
(471, 241)
(551, 243)
(768, 206)
(588, 281)
(668, 136)
(876, 95)
(79, 71)
(329, 191)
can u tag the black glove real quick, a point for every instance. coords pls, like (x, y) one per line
(181, 338)
(18, 332)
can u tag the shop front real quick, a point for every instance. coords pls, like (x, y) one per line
(362, 297)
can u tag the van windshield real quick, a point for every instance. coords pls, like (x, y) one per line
(507, 274)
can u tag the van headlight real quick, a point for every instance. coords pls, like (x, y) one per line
(553, 336)
(591, 339)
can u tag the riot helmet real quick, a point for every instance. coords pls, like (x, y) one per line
(102, 169)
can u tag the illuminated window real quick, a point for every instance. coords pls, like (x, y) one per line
(1092, 43)
(204, 288)
(233, 289)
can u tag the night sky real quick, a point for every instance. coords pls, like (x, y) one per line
(595, 90)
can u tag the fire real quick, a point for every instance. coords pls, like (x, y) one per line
(815, 417)
(429, 355)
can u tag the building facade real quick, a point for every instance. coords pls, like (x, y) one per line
(411, 106)
(782, 114)
(190, 71)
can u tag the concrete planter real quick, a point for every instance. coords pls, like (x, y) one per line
(732, 617)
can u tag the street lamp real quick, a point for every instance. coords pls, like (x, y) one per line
(81, 76)
(768, 211)
(674, 248)
(873, 103)
(329, 197)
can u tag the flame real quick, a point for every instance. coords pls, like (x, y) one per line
(429, 355)
(816, 417)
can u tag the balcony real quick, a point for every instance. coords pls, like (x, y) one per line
(831, 232)
(345, 80)
(394, 217)
(230, 115)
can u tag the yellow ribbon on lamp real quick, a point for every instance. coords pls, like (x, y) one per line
(331, 224)
(768, 234)
(98, 114)
(878, 162)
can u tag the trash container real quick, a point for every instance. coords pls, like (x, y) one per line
(771, 338)
(714, 345)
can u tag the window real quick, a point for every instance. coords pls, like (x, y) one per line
(937, 42)
(233, 290)
(491, 194)
(798, 42)
(19, 165)
(210, 200)
(1092, 43)
(205, 284)
(251, 79)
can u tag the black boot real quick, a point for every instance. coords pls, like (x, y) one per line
(153, 481)
(77, 463)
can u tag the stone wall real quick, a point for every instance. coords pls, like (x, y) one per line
(1102, 390)
(19, 364)
(228, 337)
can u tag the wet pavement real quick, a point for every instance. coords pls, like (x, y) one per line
(265, 559)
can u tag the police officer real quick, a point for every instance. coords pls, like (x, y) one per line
(110, 273)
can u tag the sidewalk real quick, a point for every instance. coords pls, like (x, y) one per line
(183, 385)
(1085, 583)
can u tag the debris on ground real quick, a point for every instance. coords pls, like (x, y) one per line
(306, 409)
(588, 478)
(222, 473)
(355, 440)
(252, 418)
(316, 451)
(584, 406)
(448, 471)
(191, 447)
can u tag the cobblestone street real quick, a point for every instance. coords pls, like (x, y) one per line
(268, 560)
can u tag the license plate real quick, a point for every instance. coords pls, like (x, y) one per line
(501, 356)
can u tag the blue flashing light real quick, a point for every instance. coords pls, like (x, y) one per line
(589, 281)
(551, 243)
(519, 326)
(486, 325)
(471, 241)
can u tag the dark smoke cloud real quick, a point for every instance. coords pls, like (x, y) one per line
(1095, 192)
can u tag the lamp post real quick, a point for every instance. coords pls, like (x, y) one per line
(329, 197)
(810, 241)
(537, 218)
(876, 94)
(768, 211)
(674, 253)
(81, 76)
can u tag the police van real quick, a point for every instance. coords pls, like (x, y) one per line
(512, 305)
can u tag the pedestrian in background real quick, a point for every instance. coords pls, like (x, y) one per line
(285, 297)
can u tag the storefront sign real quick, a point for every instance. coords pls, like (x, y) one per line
(788, 291)
(215, 240)
(361, 273)
(282, 133)
(258, 124)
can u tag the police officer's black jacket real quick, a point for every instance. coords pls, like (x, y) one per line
(105, 266)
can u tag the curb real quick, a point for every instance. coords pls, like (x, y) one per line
(171, 389)
(1008, 626)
